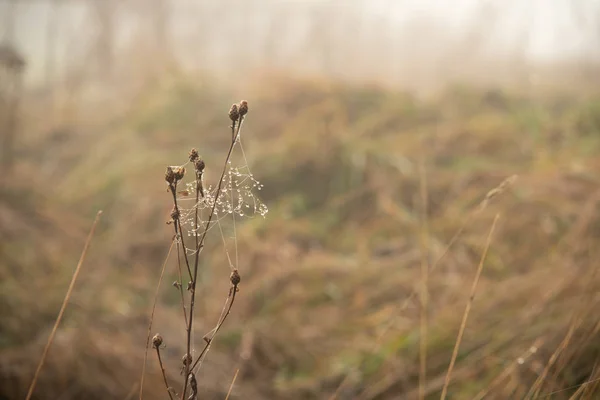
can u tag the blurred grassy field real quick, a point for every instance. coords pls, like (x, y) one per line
(330, 278)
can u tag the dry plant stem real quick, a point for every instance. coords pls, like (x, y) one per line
(164, 373)
(549, 394)
(181, 284)
(64, 306)
(200, 245)
(463, 324)
(584, 387)
(162, 272)
(178, 230)
(472, 214)
(509, 370)
(232, 293)
(534, 391)
(232, 383)
(424, 283)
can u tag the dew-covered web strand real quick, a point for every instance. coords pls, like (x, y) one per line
(225, 245)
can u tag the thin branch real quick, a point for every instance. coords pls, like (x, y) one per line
(162, 271)
(164, 373)
(424, 245)
(64, 306)
(463, 324)
(233, 290)
(178, 230)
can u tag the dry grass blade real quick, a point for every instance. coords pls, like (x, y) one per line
(549, 394)
(468, 309)
(535, 389)
(232, 383)
(64, 305)
(504, 185)
(162, 272)
(510, 369)
(424, 244)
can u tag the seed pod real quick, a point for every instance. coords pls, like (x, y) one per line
(157, 341)
(243, 109)
(193, 155)
(235, 277)
(234, 113)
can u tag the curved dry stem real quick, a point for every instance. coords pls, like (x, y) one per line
(162, 272)
(164, 373)
(463, 324)
(63, 307)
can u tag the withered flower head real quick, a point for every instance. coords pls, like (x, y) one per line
(234, 113)
(157, 340)
(199, 164)
(179, 173)
(243, 109)
(170, 175)
(193, 155)
(235, 277)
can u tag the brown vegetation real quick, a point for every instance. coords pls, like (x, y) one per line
(331, 277)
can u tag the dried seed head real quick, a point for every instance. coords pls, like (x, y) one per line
(170, 175)
(199, 164)
(235, 277)
(186, 359)
(157, 341)
(174, 174)
(179, 173)
(176, 284)
(193, 155)
(234, 113)
(243, 109)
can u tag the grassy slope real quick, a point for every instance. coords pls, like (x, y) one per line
(327, 275)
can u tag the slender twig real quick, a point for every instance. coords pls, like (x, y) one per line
(209, 340)
(162, 272)
(232, 383)
(180, 284)
(424, 244)
(164, 373)
(64, 306)
(176, 215)
(463, 324)
(178, 230)
(199, 248)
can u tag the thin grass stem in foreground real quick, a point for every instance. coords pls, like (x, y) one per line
(463, 324)
(64, 306)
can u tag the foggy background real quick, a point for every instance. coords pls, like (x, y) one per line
(388, 140)
(409, 42)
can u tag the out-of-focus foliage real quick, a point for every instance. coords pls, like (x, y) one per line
(328, 278)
